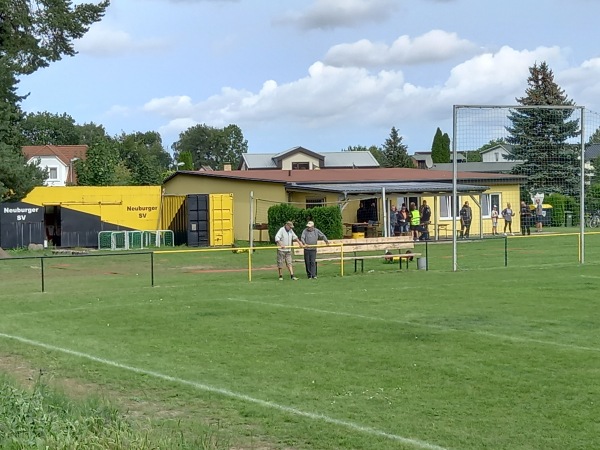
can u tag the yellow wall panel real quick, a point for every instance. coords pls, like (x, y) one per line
(134, 207)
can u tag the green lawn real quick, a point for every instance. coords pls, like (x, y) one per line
(489, 357)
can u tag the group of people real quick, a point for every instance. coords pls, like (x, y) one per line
(526, 216)
(411, 221)
(308, 239)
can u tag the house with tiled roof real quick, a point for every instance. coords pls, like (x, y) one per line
(58, 160)
(300, 158)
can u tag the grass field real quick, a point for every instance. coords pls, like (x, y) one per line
(489, 357)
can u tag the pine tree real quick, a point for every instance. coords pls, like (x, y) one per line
(395, 152)
(540, 137)
(440, 148)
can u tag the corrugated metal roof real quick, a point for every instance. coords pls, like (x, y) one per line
(395, 188)
(359, 159)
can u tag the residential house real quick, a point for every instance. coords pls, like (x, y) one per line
(58, 160)
(300, 158)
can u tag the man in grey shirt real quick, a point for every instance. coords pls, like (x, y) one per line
(309, 237)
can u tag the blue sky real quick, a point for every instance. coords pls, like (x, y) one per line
(322, 74)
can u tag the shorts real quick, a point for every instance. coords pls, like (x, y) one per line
(539, 219)
(284, 259)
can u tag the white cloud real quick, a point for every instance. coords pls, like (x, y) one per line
(106, 42)
(353, 97)
(328, 14)
(434, 46)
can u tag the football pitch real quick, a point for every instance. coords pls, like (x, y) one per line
(503, 354)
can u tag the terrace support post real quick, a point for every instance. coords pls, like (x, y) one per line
(42, 266)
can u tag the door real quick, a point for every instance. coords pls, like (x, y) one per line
(198, 220)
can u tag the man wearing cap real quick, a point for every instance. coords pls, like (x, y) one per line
(285, 239)
(309, 238)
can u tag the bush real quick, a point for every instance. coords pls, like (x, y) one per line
(328, 219)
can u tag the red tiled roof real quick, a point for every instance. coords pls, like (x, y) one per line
(65, 153)
(353, 175)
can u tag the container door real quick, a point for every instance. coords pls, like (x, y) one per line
(198, 220)
(221, 219)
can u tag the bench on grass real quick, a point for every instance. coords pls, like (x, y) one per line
(398, 249)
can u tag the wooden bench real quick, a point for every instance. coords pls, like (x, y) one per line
(399, 247)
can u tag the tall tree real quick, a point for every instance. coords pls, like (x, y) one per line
(17, 177)
(211, 146)
(145, 157)
(595, 137)
(90, 133)
(440, 147)
(100, 165)
(33, 33)
(373, 149)
(47, 128)
(540, 136)
(395, 152)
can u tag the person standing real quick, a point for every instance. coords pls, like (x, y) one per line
(415, 221)
(539, 215)
(494, 216)
(393, 220)
(310, 236)
(508, 214)
(466, 216)
(425, 212)
(285, 239)
(525, 219)
(403, 220)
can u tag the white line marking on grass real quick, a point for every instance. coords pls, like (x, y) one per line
(227, 393)
(426, 325)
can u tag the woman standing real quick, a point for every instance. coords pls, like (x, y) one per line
(508, 214)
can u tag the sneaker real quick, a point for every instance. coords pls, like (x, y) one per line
(294, 278)
(512, 234)
(314, 278)
(280, 278)
(503, 234)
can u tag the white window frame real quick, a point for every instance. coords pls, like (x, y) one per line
(55, 177)
(487, 201)
(445, 207)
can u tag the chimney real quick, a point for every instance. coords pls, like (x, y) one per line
(227, 167)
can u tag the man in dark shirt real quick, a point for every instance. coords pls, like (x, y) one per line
(425, 220)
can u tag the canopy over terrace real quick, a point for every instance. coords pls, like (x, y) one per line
(357, 191)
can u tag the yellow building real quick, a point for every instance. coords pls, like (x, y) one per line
(254, 191)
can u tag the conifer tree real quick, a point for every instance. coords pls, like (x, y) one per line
(395, 152)
(540, 137)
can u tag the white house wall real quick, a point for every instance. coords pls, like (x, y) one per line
(46, 162)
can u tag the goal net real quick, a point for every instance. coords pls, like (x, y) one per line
(554, 149)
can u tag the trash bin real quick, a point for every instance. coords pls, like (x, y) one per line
(568, 218)
(422, 263)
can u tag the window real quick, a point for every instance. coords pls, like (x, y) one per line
(487, 201)
(497, 156)
(446, 209)
(300, 166)
(52, 173)
(314, 202)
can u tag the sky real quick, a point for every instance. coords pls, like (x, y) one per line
(321, 74)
